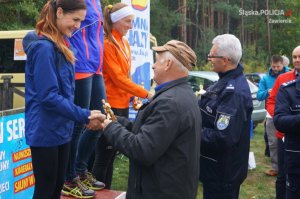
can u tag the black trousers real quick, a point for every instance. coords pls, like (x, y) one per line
(105, 156)
(49, 169)
(219, 192)
(280, 179)
(292, 186)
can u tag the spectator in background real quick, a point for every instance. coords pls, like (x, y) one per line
(49, 94)
(89, 91)
(286, 77)
(226, 109)
(163, 143)
(265, 86)
(286, 61)
(119, 86)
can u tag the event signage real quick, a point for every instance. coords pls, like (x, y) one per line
(16, 175)
(139, 40)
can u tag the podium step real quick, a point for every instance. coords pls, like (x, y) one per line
(104, 194)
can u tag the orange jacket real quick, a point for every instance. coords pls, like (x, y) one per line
(116, 73)
(270, 106)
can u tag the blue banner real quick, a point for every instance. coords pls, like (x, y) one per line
(16, 175)
(139, 40)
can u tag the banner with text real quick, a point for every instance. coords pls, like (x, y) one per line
(16, 176)
(139, 41)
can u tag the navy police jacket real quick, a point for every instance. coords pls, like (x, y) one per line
(226, 110)
(287, 120)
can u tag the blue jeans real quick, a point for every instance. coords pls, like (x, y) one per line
(88, 94)
(280, 179)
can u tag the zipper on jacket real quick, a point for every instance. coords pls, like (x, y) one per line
(85, 43)
(98, 37)
(211, 159)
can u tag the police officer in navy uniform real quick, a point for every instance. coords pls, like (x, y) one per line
(226, 109)
(287, 120)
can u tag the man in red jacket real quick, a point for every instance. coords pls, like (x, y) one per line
(286, 77)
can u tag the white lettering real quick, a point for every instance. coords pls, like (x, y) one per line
(2, 155)
(4, 165)
(4, 187)
(15, 128)
(1, 132)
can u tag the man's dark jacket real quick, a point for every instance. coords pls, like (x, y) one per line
(162, 145)
(287, 120)
(226, 110)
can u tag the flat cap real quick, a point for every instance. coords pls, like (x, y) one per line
(181, 51)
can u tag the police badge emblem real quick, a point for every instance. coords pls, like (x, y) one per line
(223, 121)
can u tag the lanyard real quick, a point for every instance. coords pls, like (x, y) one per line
(125, 54)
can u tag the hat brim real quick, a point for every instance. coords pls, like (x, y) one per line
(159, 49)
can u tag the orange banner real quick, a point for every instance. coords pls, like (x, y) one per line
(24, 183)
(25, 168)
(21, 155)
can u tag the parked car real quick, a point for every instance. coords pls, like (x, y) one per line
(254, 77)
(203, 79)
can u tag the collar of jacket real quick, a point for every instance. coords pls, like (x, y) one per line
(221, 84)
(170, 85)
(231, 73)
(284, 70)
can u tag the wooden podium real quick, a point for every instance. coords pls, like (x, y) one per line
(104, 194)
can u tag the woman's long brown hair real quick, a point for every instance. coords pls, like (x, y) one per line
(47, 25)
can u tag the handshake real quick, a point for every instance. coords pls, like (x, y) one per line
(97, 120)
(100, 121)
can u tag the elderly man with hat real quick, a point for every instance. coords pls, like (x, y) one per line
(226, 109)
(163, 143)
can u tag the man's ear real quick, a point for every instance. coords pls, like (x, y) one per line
(59, 13)
(226, 61)
(169, 64)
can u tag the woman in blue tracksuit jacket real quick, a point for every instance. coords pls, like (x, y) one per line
(89, 91)
(49, 93)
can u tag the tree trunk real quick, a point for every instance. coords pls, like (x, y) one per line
(197, 24)
(269, 33)
(212, 19)
(227, 19)
(183, 26)
(242, 25)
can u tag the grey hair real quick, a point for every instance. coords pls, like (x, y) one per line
(286, 61)
(167, 55)
(228, 46)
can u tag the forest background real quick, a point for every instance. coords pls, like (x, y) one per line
(265, 27)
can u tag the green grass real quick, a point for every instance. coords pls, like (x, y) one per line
(256, 186)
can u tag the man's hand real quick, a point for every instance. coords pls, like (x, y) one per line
(149, 96)
(96, 120)
(136, 103)
(105, 123)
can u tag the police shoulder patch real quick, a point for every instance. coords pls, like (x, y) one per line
(223, 121)
(288, 83)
